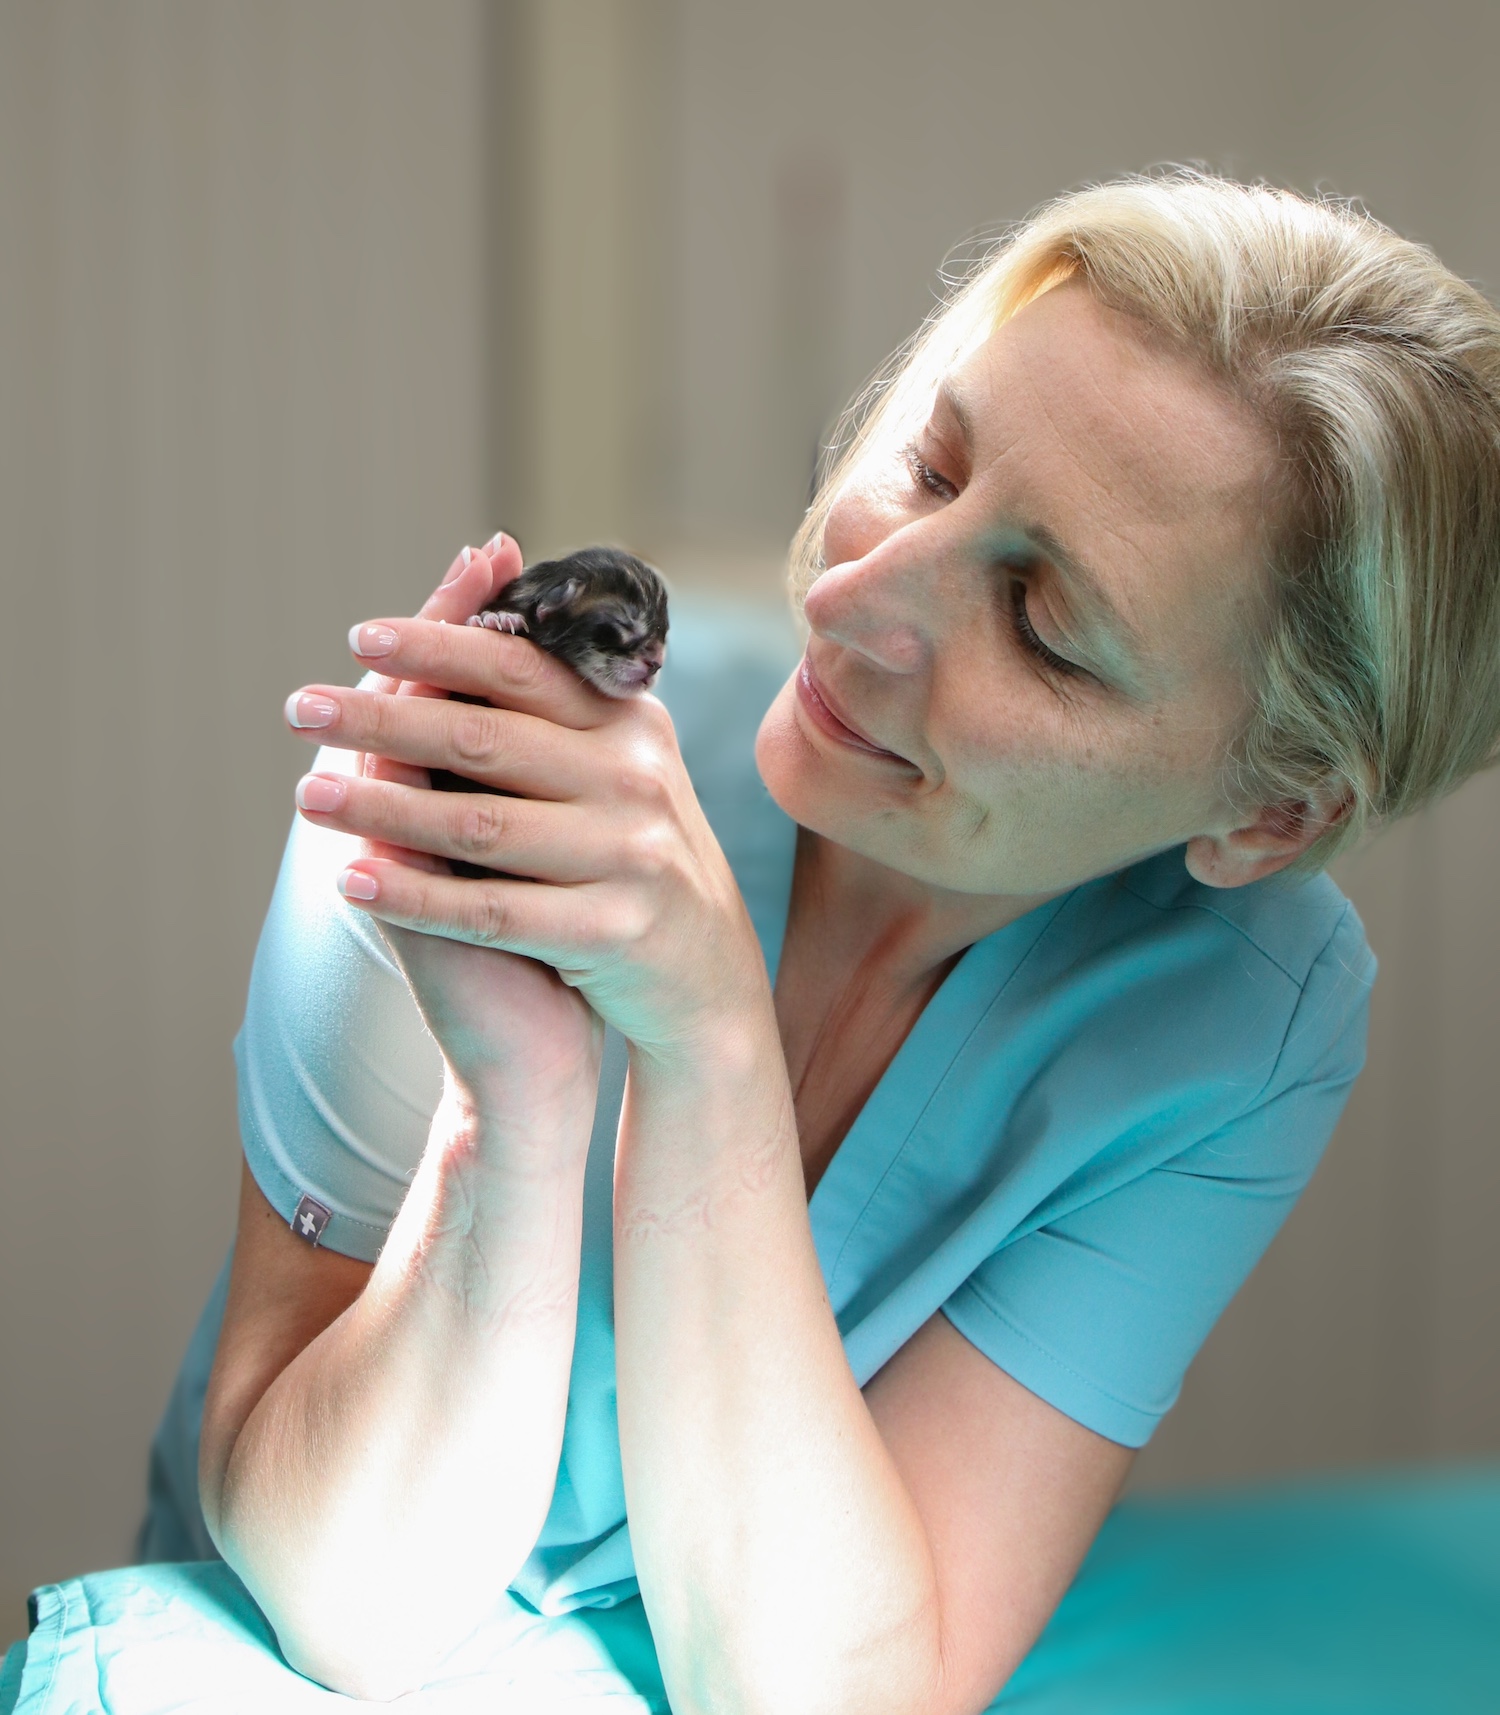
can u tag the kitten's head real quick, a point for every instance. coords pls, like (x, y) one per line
(604, 612)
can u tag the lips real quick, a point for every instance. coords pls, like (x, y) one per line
(815, 701)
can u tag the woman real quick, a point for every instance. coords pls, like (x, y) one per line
(960, 1101)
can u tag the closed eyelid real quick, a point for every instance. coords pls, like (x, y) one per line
(1094, 623)
(1088, 614)
(1089, 632)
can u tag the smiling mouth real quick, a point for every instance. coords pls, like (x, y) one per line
(814, 701)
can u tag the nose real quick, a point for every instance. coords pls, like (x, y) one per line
(883, 606)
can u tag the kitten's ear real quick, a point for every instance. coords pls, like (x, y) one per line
(570, 591)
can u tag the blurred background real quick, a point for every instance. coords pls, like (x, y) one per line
(297, 296)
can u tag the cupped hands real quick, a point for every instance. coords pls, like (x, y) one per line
(610, 875)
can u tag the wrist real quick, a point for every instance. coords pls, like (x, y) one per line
(494, 1120)
(721, 1050)
(727, 1083)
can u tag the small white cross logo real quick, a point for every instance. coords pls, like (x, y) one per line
(309, 1219)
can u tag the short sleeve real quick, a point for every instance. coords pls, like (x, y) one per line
(1101, 1310)
(338, 1076)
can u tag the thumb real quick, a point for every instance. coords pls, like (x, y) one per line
(473, 579)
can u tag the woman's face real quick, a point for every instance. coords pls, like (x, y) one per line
(1031, 645)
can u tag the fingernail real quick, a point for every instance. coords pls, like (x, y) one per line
(495, 543)
(305, 710)
(371, 640)
(456, 569)
(321, 792)
(356, 884)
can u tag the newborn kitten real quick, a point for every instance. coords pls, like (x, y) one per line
(601, 610)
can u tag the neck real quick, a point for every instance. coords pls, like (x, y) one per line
(858, 910)
(866, 948)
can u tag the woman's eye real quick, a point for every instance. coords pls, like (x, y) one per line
(1026, 635)
(926, 477)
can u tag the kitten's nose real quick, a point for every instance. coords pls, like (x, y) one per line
(640, 673)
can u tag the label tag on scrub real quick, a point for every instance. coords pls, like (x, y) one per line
(310, 1219)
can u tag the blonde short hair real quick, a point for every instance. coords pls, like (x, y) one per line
(1378, 372)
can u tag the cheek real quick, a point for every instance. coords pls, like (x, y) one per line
(1033, 796)
(1054, 795)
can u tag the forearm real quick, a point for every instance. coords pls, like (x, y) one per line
(395, 1475)
(782, 1560)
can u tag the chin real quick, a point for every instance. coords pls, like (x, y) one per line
(802, 780)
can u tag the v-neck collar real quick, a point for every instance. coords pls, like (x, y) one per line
(922, 1063)
(916, 1073)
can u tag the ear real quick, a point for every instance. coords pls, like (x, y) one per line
(559, 599)
(1268, 841)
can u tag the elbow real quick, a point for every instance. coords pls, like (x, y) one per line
(354, 1669)
(356, 1648)
(900, 1675)
(353, 1621)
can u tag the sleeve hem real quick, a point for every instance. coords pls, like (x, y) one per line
(1041, 1372)
(344, 1234)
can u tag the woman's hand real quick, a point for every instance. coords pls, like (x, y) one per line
(612, 876)
(509, 1029)
(475, 577)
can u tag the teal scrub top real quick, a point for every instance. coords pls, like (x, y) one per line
(1078, 1154)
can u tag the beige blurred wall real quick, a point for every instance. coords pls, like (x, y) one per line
(295, 298)
(243, 403)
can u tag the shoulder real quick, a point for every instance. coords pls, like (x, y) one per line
(1292, 925)
(337, 1075)
(1235, 993)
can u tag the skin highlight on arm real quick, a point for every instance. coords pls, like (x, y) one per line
(373, 1487)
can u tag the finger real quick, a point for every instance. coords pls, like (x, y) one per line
(401, 773)
(510, 672)
(493, 747)
(528, 917)
(545, 841)
(475, 576)
(402, 854)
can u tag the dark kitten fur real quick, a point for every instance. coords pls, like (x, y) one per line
(601, 610)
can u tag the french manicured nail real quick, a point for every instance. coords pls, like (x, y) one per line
(456, 570)
(355, 884)
(495, 543)
(305, 710)
(321, 792)
(372, 640)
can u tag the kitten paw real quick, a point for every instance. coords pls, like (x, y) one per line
(510, 623)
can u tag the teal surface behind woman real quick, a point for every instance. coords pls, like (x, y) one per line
(1378, 1596)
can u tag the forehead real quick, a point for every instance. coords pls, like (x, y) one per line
(1131, 455)
(1097, 387)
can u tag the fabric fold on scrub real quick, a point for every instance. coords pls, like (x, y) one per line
(1081, 1150)
(1376, 1594)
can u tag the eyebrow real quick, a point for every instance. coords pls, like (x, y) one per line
(1121, 644)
